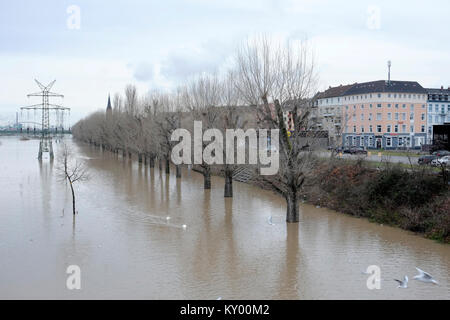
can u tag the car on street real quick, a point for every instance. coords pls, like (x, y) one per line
(426, 159)
(441, 153)
(355, 150)
(445, 161)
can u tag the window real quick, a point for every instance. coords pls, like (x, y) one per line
(354, 107)
(370, 116)
(346, 107)
(404, 128)
(379, 95)
(362, 116)
(404, 106)
(389, 105)
(403, 116)
(436, 108)
(379, 105)
(411, 116)
(411, 129)
(423, 116)
(379, 116)
(430, 118)
(436, 119)
(371, 106)
(389, 116)
(362, 129)
(379, 128)
(370, 128)
(388, 142)
(422, 129)
(354, 117)
(430, 108)
(354, 129)
(412, 107)
(396, 128)
(388, 128)
(396, 106)
(396, 116)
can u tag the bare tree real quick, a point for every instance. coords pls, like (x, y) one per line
(70, 170)
(277, 77)
(202, 97)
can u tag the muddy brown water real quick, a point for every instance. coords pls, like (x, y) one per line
(126, 248)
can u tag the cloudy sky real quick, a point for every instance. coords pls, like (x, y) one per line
(158, 44)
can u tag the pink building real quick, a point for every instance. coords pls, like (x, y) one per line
(384, 114)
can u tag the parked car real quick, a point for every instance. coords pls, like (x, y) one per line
(426, 159)
(355, 150)
(441, 153)
(441, 161)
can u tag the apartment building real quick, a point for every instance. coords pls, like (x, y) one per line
(438, 111)
(385, 114)
(329, 112)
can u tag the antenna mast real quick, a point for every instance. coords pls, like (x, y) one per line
(389, 72)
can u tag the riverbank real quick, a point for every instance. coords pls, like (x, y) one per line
(416, 200)
(411, 198)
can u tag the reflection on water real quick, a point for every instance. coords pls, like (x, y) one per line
(127, 247)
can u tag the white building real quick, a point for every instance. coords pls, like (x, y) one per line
(438, 111)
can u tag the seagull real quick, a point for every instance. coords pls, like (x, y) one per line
(184, 226)
(167, 218)
(269, 220)
(424, 277)
(404, 283)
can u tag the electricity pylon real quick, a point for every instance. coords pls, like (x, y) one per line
(45, 144)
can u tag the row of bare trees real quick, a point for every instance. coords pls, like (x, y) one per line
(270, 76)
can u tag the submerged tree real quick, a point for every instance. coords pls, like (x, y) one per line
(70, 170)
(279, 79)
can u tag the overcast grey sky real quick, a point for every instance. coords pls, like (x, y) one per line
(157, 44)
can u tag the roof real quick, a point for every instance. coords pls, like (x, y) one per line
(372, 87)
(438, 91)
(385, 86)
(333, 91)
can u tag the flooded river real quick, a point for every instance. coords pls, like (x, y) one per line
(127, 248)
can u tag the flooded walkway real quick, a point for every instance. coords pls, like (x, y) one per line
(127, 248)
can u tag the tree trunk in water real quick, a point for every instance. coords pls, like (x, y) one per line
(178, 171)
(206, 178)
(145, 159)
(152, 162)
(140, 157)
(73, 198)
(228, 192)
(167, 166)
(124, 154)
(292, 208)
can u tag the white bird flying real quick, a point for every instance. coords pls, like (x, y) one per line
(424, 277)
(403, 284)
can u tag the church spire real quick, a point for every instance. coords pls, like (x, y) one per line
(108, 108)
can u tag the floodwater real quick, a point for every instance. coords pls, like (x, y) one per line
(126, 248)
